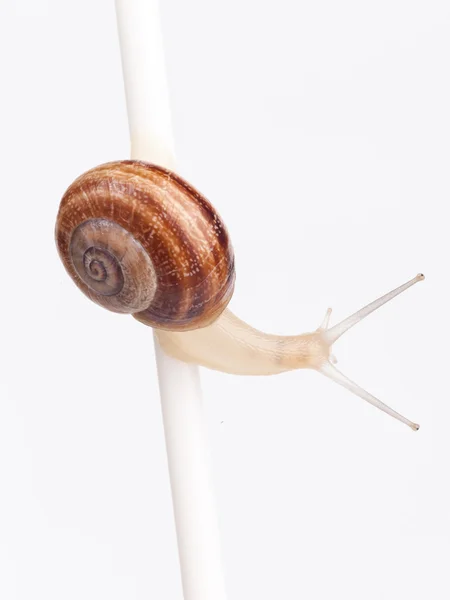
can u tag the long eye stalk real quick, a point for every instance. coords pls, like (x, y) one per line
(335, 332)
(330, 371)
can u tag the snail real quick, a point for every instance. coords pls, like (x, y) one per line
(136, 238)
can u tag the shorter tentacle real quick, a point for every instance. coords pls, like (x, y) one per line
(326, 320)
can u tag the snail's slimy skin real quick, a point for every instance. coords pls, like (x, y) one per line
(232, 346)
(138, 239)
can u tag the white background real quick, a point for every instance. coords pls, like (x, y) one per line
(320, 130)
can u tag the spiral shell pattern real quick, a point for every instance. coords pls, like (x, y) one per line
(137, 238)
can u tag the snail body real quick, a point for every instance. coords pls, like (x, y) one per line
(230, 345)
(136, 238)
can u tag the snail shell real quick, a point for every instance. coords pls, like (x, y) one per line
(136, 238)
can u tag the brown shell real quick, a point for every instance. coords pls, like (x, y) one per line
(137, 238)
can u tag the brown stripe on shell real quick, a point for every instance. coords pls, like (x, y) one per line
(211, 217)
(179, 229)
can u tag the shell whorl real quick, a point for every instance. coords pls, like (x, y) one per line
(136, 238)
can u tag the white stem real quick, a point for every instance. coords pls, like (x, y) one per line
(186, 440)
(145, 80)
(192, 493)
